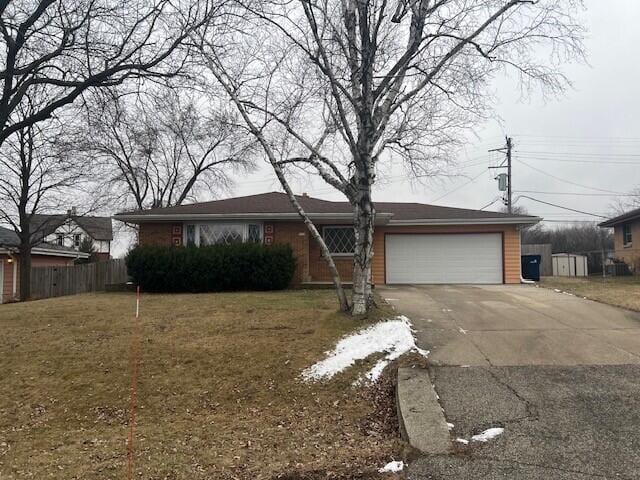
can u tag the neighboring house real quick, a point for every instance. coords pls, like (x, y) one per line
(69, 230)
(42, 255)
(626, 237)
(413, 242)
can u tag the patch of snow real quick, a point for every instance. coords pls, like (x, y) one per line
(488, 434)
(393, 337)
(392, 467)
(450, 425)
(462, 330)
(391, 299)
(462, 441)
(557, 290)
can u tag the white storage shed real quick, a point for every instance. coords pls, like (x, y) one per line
(569, 265)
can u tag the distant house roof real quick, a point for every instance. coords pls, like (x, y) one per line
(276, 205)
(99, 228)
(625, 217)
(9, 241)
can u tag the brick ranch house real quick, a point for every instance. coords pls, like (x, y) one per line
(42, 255)
(413, 242)
(626, 237)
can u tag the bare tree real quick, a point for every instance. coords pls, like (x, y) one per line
(55, 51)
(338, 87)
(63, 48)
(36, 175)
(162, 147)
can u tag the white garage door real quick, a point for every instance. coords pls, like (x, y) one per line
(439, 258)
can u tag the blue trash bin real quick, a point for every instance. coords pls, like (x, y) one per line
(531, 267)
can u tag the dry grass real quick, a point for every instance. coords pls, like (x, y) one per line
(219, 393)
(619, 291)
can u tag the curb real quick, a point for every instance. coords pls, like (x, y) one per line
(422, 422)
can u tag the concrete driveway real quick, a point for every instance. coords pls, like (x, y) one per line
(516, 325)
(560, 374)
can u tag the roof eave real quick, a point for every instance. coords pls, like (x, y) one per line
(618, 221)
(469, 221)
(49, 251)
(133, 218)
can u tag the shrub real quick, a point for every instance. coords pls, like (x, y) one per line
(216, 268)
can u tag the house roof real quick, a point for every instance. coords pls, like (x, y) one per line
(625, 217)
(9, 240)
(276, 205)
(99, 228)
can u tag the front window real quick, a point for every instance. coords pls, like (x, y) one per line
(626, 234)
(222, 233)
(191, 236)
(340, 240)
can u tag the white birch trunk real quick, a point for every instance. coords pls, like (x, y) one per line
(364, 219)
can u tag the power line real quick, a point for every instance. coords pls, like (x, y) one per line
(582, 154)
(578, 137)
(491, 203)
(579, 194)
(567, 181)
(604, 162)
(458, 188)
(562, 207)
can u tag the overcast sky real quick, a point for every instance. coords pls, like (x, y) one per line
(590, 136)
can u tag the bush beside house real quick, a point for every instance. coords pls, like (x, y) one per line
(213, 268)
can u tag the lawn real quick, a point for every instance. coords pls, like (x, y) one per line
(619, 291)
(219, 394)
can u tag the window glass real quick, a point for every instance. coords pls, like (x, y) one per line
(253, 233)
(60, 239)
(340, 239)
(626, 234)
(191, 235)
(220, 234)
(77, 239)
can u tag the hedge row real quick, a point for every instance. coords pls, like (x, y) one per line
(246, 266)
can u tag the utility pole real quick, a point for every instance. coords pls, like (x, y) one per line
(508, 201)
(509, 197)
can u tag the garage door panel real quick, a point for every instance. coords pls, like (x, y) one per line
(444, 258)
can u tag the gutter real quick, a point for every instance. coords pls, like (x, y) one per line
(49, 251)
(381, 218)
(136, 218)
(470, 221)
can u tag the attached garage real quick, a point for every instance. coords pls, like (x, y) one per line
(475, 258)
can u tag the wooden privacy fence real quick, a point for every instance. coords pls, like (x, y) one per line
(544, 250)
(49, 282)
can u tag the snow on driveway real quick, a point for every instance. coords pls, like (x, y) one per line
(393, 337)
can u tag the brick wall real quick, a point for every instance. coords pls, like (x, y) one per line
(630, 255)
(155, 234)
(296, 235)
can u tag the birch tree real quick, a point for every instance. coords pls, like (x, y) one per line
(356, 84)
